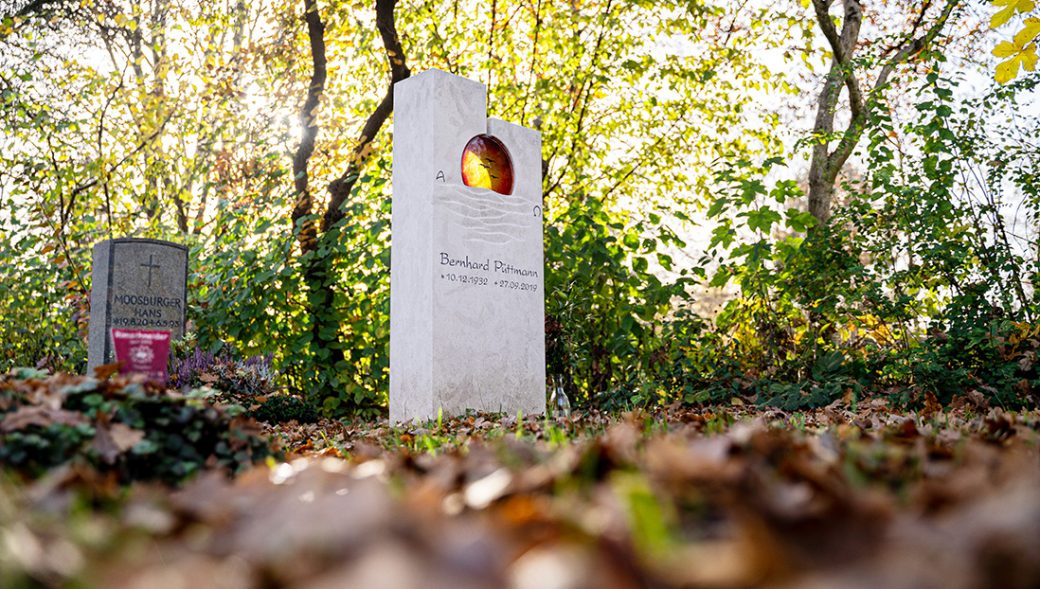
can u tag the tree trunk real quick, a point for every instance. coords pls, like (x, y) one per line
(821, 194)
(826, 163)
(319, 270)
(304, 205)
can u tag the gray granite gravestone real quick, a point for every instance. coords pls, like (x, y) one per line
(137, 284)
(467, 298)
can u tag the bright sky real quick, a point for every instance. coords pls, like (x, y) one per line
(797, 111)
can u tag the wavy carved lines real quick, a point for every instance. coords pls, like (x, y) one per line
(484, 216)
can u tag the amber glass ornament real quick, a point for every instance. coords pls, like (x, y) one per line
(486, 164)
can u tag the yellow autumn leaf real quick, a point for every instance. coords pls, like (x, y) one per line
(1026, 59)
(1028, 32)
(1007, 70)
(1019, 5)
(1029, 58)
(1011, 7)
(1001, 17)
(1005, 49)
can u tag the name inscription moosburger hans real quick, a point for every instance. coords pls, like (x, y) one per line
(147, 311)
(151, 301)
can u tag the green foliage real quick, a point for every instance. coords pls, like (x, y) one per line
(193, 149)
(600, 287)
(829, 379)
(118, 123)
(43, 303)
(918, 280)
(284, 408)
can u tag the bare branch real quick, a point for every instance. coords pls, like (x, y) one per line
(583, 96)
(918, 21)
(843, 45)
(136, 150)
(35, 8)
(907, 50)
(914, 46)
(822, 8)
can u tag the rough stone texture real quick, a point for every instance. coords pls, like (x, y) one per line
(137, 284)
(467, 336)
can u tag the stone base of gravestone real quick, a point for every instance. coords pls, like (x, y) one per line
(137, 284)
(467, 294)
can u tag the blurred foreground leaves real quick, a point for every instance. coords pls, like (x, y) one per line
(710, 497)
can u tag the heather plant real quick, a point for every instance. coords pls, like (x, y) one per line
(250, 382)
(252, 376)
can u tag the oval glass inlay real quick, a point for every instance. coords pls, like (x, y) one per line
(486, 164)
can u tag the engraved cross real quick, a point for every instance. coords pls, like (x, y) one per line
(151, 264)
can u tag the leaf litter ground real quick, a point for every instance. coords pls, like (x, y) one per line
(708, 497)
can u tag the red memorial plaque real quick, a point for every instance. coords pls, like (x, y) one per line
(142, 351)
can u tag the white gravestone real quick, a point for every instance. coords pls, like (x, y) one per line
(467, 298)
